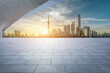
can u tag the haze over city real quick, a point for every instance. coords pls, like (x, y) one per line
(93, 13)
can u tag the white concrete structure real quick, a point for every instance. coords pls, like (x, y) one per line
(12, 10)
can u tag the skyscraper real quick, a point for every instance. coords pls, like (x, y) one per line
(48, 24)
(73, 28)
(68, 29)
(79, 21)
(86, 31)
(78, 29)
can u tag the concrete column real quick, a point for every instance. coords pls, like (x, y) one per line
(1, 34)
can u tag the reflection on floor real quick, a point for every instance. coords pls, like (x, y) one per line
(55, 55)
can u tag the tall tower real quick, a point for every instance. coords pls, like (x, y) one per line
(79, 21)
(48, 24)
(78, 29)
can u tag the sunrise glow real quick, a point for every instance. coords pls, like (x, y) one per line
(44, 32)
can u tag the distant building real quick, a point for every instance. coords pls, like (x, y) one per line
(90, 33)
(68, 29)
(94, 33)
(81, 32)
(109, 34)
(86, 31)
(78, 31)
(65, 29)
(73, 28)
(16, 34)
(54, 33)
(8, 35)
(59, 32)
(99, 35)
(12, 35)
(25, 35)
(106, 34)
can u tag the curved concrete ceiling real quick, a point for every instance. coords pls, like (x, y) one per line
(12, 10)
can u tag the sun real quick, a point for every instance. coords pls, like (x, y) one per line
(44, 32)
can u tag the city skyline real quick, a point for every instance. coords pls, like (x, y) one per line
(63, 14)
(72, 30)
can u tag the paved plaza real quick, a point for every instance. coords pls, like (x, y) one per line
(55, 55)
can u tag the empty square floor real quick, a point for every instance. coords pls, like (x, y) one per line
(55, 55)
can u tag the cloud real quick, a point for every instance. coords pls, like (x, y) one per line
(60, 14)
(94, 19)
(57, 14)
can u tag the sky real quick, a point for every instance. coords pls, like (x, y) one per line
(94, 13)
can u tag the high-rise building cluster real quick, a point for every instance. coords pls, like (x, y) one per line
(68, 31)
(18, 34)
(73, 31)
